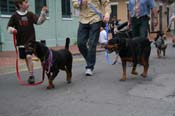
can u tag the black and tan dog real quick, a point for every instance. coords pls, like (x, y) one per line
(136, 50)
(53, 60)
(160, 43)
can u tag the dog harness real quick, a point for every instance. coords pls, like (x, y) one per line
(47, 63)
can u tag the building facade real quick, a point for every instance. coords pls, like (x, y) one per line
(61, 22)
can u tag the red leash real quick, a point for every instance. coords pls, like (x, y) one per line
(21, 82)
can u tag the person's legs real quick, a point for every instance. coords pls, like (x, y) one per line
(27, 55)
(144, 27)
(29, 65)
(135, 27)
(93, 40)
(83, 36)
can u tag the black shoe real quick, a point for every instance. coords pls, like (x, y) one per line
(173, 45)
(31, 80)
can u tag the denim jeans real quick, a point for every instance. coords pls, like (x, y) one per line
(88, 35)
(140, 26)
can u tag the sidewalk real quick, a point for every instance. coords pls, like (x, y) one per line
(8, 59)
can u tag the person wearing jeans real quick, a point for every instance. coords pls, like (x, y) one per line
(139, 11)
(89, 28)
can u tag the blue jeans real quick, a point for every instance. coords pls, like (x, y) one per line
(140, 26)
(88, 35)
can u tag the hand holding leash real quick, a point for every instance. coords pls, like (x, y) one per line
(14, 31)
(106, 18)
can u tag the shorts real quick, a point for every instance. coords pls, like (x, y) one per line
(23, 52)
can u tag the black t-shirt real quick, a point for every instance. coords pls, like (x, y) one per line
(24, 24)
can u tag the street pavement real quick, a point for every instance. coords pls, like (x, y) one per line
(99, 95)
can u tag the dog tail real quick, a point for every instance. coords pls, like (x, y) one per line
(67, 43)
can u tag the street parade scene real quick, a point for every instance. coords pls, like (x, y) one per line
(87, 57)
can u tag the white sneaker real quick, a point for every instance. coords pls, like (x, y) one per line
(88, 72)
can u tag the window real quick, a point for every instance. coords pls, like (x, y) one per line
(66, 9)
(7, 7)
(38, 6)
(114, 11)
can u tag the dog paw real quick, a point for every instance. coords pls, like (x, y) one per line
(69, 82)
(123, 79)
(50, 87)
(143, 75)
(134, 73)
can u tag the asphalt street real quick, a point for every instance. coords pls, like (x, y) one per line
(99, 95)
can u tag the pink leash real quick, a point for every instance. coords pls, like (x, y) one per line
(21, 82)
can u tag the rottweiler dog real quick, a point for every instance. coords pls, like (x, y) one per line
(160, 43)
(136, 50)
(53, 60)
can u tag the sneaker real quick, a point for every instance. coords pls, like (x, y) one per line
(88, 72)
(31, 80)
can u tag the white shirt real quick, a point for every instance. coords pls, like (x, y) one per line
(103, 37)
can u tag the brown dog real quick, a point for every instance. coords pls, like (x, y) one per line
(161, 44)
(53, 60)
(136, 50)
